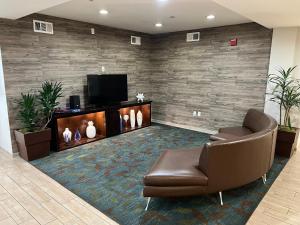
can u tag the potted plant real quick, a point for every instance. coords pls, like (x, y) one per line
(35, 113)
(286, 93)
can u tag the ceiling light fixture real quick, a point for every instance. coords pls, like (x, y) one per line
(210, 17)
(103, 12)
(158, 25)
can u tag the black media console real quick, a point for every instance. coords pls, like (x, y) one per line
(108, 120)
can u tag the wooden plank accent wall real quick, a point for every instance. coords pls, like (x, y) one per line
(67, 56)
(210, 76)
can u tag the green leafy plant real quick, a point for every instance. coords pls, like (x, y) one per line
(291, 99)
(286, 93)
(48, 97)
(28, 113)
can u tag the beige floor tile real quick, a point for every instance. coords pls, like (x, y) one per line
(3, 214)
(36, 193)
(95, 211)
(18, 178)
(33, 207)
(3, 193)
(30, 222)
(55, 222)
(78, 222)
(62, 214)
(8, 221)
(15, 210)
(50, 187)
(85, 214)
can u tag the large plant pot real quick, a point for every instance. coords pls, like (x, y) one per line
(286, 143)
(33, 145)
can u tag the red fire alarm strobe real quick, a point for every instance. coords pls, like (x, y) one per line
(233, 42)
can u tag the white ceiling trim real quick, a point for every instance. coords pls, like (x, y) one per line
(269, 13)
(15, 9)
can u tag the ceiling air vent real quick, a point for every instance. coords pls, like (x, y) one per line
(135, 40)
(42, 27)
(191, 37)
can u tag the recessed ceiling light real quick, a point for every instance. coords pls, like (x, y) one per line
(103, 12)
(210, 17)
(158, 25)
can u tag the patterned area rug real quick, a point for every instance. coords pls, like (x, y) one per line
(108, 174)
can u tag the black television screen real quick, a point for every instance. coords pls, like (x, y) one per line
(106, 89)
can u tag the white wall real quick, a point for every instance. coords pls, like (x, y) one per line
(5, 138)
(285, 52)
(296, 114)
(297, 55)
(282, 55)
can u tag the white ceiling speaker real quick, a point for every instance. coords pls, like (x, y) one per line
(42, 27)
(135, 40)
(192, 37)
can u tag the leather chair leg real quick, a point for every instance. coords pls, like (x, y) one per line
(148, 201)
(221, 198)
(264, 178)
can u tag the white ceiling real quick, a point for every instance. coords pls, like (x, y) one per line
(14, 9)
(141, 15)
(269, 13)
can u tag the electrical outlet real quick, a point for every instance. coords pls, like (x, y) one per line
(92, 30)
(194, 114)
(198, 113)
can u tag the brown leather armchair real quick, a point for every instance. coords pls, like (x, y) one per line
(245, 155)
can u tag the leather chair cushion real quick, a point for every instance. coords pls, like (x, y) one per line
(177, 168)
(222, 137)
(236, 131)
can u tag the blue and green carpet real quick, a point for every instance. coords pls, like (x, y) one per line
(108, 174)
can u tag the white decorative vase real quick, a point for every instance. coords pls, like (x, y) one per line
(91, 130)
(126, 118)
(139, 118)
(67, 134)
(132, 119)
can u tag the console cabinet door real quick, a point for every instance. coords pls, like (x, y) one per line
(112, 122)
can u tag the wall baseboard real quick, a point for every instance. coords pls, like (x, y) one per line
(11, 154)
(15, 154)
(185, 127)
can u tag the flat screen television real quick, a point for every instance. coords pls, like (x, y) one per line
(107, 89)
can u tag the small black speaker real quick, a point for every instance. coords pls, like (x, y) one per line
(75, 102)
